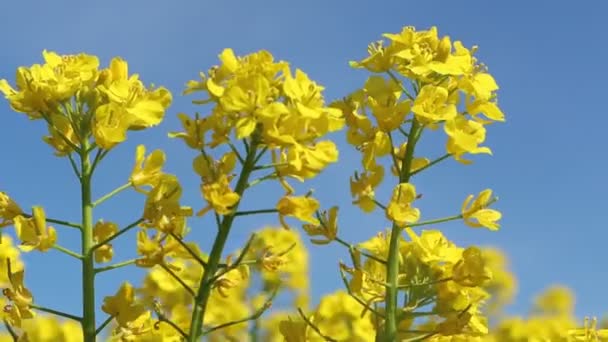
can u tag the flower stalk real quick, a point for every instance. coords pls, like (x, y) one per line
(206, 283)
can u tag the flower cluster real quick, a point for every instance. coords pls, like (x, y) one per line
(267, 122)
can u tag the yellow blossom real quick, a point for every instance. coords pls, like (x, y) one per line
(300, 207)
(147, 171)
(471, 270)
(400, 208)
(33, 231)
(9, 209)
(476, 213)
(328, 227)
(102, 231)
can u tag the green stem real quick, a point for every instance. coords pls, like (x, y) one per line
(55, 312)
(115, 266)
(392, 270)
(257, 314)
(88, 266)
(59, 222)
(175, 327)
(407, 93)
(204, 291)
(111, 194)
(253, 212)
(440, 159)
(67, 251)
(190, 251)
(103, 325)
(74, 167)
(351, 246)
(10, 330)
(178, 279)
(314, 327)
(436, 221)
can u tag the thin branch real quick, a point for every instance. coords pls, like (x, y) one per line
(74, 167)
(257, 181)
(253, 212)
(438, 160)
(111, 194)
(119, 233)
(179, 280)
(55, 221)
(237, 262)
(380, 205)
(67, 251)
(10, 330)
(390, 73)
(115, 266)
(188, 249)
(257, 314)
(365, 254)
(406, 134)
(359, 300)
(314, 327)
(163, 318)
(63, 136)
(260, 155)
(436, 221)
(55, 312)
(236, 152)
(103, 325)
(98, 157)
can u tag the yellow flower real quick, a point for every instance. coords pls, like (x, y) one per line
(60, 129)
(231, 279)
(381, 58)
(219, 196)
(464, 136)
(432, 247)
(148, 171)
(127, 105)
(362, 188)
(102, 231)
(19, 295)
(303, 162)
(110, 126)
(293, 256)
(400, 208)
(556, 300)
(194, 131)
(339, 316)
(41, 87)
(432, 105)
(143, 107)
(34, 233)
(328, 228)
(211, 170)
(154, 250)
(300, 207)
(471, 270)
(306, 96)
(131, 317)
(589, 332)
(9, 209)
(162, 208)
(383, 100)
(476, 213)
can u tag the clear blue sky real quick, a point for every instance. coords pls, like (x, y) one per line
(549, 158)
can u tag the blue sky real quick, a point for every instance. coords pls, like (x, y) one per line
(549, 158)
